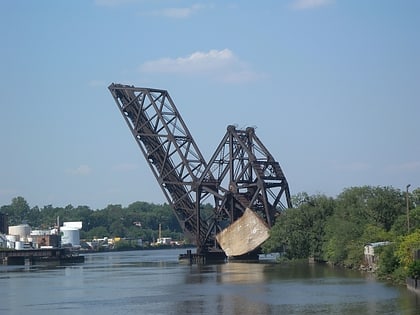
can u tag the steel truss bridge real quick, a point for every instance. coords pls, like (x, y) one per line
(241, 174)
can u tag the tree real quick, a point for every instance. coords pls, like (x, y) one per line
(117, 229)
(388, 261)
(414, 269)
(300, 231)
(386, 204)
(341, 239)
(96, 232)
(18, 211)
(415, 197)
(407, 245)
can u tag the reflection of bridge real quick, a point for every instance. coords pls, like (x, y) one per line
(240, 175)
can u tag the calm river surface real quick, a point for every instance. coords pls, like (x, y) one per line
(153, 282)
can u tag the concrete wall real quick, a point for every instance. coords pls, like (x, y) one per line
(413, 285)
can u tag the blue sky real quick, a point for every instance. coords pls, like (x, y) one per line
(332, 87)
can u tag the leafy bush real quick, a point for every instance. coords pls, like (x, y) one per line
(414, 270)
(388, 261)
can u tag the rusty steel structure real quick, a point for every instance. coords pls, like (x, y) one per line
(241, 173)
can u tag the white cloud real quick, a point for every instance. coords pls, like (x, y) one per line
(309, 4)
(218, 64)
(180, 13)
(82, 170)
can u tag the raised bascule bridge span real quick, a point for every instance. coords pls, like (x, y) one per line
(242, 181)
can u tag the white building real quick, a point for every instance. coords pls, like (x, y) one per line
(369, 252)
(164, 241)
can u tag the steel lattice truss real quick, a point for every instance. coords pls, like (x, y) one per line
(241, 174)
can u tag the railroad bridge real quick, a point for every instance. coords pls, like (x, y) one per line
(242, 181)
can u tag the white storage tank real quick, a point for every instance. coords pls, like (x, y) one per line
(19, 245)
(23, 230)
(73, 224)
(70, 236)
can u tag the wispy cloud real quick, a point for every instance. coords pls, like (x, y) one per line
(181, 13)
(81, 170)
(169, 12)
(309, 4)
(218, 64)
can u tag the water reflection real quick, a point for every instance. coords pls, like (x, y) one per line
(225, 289)
(243, 288)
(153, 282)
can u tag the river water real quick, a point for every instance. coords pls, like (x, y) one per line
(154, 282)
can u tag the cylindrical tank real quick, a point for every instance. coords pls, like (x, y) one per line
(70, 236)
(18, 245)
(23, 230)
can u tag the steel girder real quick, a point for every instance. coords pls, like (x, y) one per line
(168, 147)
(247, 176)
(246, 173)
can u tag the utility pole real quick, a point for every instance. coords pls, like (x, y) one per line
(408, 209)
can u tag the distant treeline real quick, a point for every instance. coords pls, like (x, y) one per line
(138, 220)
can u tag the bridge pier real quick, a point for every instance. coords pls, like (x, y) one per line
(202, 258)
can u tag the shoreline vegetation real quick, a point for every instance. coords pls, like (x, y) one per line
(338, 230)
(325, 229)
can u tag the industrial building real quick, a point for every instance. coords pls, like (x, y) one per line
(23, 237)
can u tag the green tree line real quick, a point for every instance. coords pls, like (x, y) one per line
(138, 220)
(336, 230)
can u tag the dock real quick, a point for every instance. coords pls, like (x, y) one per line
(34, 256)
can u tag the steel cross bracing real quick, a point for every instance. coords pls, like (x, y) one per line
(169, 149)
(241, 173)
(247, 176)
